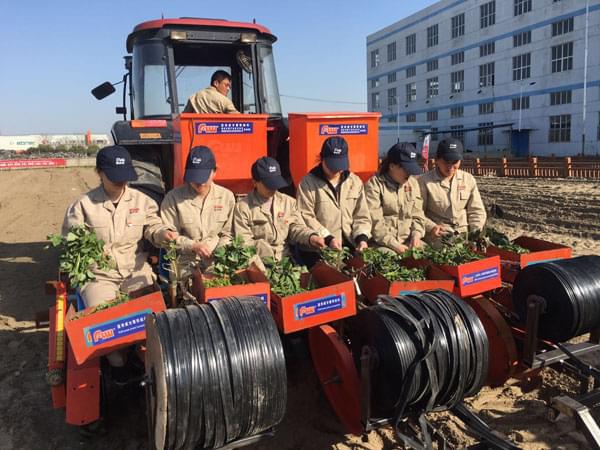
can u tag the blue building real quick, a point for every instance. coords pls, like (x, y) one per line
(501, 75)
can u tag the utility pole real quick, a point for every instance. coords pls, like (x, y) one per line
(585, 64)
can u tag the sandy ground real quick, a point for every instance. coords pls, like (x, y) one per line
(32, 204)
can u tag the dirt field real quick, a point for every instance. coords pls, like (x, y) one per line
(32, 204)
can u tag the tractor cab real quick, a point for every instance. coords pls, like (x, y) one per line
(168, 61)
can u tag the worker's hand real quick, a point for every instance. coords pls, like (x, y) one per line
(335, 244)
(439, 230)
(168, 235)
(401, 248)
(361, 246)
(202, 250)
(317, 241)
(416, 242)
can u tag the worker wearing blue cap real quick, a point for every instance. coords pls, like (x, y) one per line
(269, 219)
(200, 210)
(331, 200)
(395, 202)
(122, 217)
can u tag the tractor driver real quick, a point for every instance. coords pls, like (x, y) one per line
(200, 210)
(213, 99)
(268, 219)
(451, 200)
(122, 217)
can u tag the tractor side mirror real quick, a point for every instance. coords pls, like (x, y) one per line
(103, 90)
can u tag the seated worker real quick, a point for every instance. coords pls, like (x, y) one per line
(451, 200)
(122, 217)
(213, 99)
(269, 219)
(394, 200)
(200, 210)
(331, 200)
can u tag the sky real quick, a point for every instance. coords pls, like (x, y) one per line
(55, 52)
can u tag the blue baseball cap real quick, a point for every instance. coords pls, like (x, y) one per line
(199, 165)
(334, 152)
(267, 171)
(115, 162)
(404, 154)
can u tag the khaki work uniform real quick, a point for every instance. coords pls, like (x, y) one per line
(340, 212)
(206, 220)
(455, 203)
(270, 225)
(209, 101)
(396, 210)
(122, 228)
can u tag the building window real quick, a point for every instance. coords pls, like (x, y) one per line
(411, 44)
(458, 25)
(522, 39)
(457, 81)
(487, 49)
(562, 27)
(392, 97)
(391, 52)
(560, 98)
(434, 134)
(391, 77)
(457, 111)
(457, 58)
(457, 132)
(432, 65)
(562, 57)
(411, 71)
(374, 58)
(560, 128)
(391, 119)
(375, 100)
(432, 35)
(487, 74)
(522, 7)
(486, 108)
(411, 117)
(432, 87)
(411, 92)
(521, 66)
(487, 13)
(486, 133)
(375, 82)
(432, 116)
(522, 103)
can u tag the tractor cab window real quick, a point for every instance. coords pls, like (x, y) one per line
(150, 87)
(269, 89)
(195, 64)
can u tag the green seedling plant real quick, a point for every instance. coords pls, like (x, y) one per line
(389, 266)
(81, 253)
(500, 240)
(284, 276)
(121, 297)
(456, 249)
(232, 258)
(335, 258)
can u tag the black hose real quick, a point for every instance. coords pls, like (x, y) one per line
(432, 352)
(571, 290)
(225, 372)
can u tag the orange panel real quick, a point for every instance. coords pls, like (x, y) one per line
(540, 251)
(309, 130)
(476, 277)
(203, 294)
(112, 328)
(83, 391)
(237, 140)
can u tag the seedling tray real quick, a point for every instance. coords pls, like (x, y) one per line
(203, 294)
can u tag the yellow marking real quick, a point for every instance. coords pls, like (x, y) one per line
(60, 328)
(150, 136)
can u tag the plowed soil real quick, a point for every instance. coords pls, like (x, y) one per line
(32, 204)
